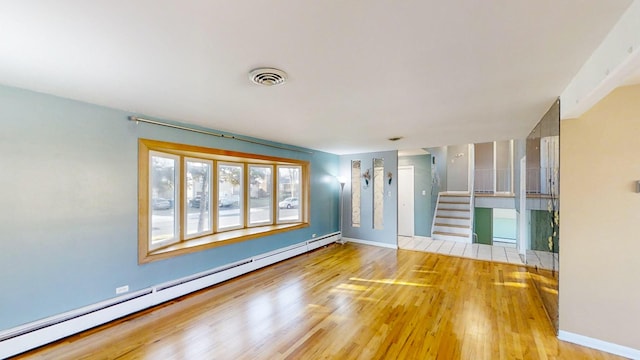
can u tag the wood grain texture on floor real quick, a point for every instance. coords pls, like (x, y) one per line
(342, 302)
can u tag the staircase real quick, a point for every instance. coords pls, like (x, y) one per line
(453, 218)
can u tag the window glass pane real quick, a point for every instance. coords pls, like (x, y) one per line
(198, 197)
(230, 199)
(162, 193)
(260, 195)
(289, 191)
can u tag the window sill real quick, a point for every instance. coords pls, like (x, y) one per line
(215, 240)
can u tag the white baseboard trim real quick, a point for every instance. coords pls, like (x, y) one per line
(599, 344)
(372, 243)
(35, 334)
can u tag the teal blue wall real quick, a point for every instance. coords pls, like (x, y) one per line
(389, 234)
(68, 214)
(439, 158)
(423, 212)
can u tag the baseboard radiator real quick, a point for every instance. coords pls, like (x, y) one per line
(29, 336)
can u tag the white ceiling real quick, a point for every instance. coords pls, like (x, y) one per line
(434, 72)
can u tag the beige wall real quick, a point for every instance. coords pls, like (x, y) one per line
(600, 221)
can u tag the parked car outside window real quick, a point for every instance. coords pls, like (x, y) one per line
(290, 202)
(195, 203)
(228, 201)
(161, 204)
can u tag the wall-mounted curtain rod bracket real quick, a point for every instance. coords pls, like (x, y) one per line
(160, 123)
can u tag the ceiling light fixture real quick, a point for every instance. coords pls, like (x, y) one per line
(268, 76)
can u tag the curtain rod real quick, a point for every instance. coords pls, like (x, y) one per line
(160, 123)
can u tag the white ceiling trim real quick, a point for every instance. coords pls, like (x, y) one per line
(610, 66)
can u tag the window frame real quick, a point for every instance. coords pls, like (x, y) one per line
(216, 237)
(210, 199)
(272, 197)
(177, 225)
(277, 202)
(241, 196)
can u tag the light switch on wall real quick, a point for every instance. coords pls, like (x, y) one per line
(424, 192)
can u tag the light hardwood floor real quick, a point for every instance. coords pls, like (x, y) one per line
(342, 302)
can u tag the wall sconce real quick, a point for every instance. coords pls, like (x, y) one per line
(390, 177)
(367, 177)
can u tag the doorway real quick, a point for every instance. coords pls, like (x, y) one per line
(406, 201)
(504, 227)
(495, 226)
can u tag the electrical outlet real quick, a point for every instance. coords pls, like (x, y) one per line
(122, 289)
(313, 235)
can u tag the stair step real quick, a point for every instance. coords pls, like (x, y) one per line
(451, 217)
(452, 220)
(449, 209)
(450, 234)
(459, 214)
(458, 232)
(455, 198)
(455, 202)
(453, 225)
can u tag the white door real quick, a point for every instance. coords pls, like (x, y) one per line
(405, 201)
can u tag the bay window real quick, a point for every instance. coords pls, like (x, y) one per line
(192, 198)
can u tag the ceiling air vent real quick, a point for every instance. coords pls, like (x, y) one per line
(268, 76)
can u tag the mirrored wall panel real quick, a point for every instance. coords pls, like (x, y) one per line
(543, 207)
(355, 192)
(378, 193)
(543, 185)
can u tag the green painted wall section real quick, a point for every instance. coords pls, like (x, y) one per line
(483, 225)
(541, 230)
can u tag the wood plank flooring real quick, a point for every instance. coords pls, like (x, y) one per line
(342, 302)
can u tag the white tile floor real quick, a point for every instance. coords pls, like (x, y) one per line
(502, 254)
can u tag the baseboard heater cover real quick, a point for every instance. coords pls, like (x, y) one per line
(67, 316)
(187, 279)
(29, 336)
